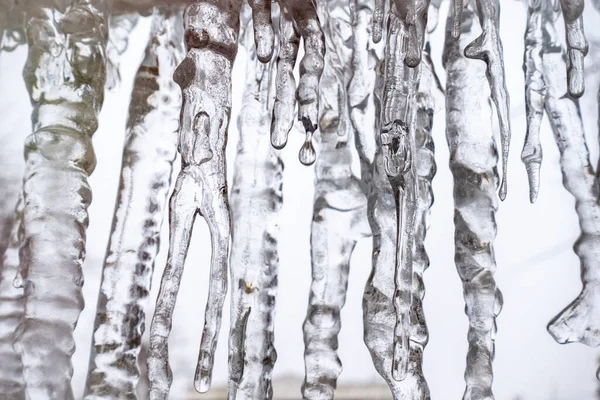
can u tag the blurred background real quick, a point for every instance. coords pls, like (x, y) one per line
(538, 273)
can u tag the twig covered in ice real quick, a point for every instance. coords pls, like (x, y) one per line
(148, 155)
(211, 34)
(473, 161)
(65, 75)
(256, 199)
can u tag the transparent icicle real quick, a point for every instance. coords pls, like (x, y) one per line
(580, 320)
(339, 211)
(148, 155)
(473, 162)
(488, 48)
(577, 45)
(120, 27)
(256, 199)
(65, 75)
(298, 19)
(12, 306)
(211, 35)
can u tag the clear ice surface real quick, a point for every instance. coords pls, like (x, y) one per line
(149, 150)
(577, 45)
(119, 29)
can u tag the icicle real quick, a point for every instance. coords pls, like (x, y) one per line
(211, 33)
(473, 161)
(12, 304)
(535, 93)
(298, 19)
(256, 199)
(577, 45)
(433, 15)
(339, 213)
(65, 75)
(488, 48)
(579, 321)
(148, 155)
(120, 26)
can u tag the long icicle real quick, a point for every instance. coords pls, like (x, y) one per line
(148, 155)
(488, 48)
(65, 75)
(339, 211)
(211, 36)
(473, 162)
(256, 199)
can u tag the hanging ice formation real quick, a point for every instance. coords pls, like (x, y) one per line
(256, 198)
(544, 60)
(65, 75)
(339, 211)
(473, 159)
(148, 155)
(120, 26)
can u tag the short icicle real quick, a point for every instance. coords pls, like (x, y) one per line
(211, 36)
(65, 75)
(577, 45)
(149, 151)
(473, 162)
(256, 198)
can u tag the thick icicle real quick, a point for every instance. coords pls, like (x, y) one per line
(148, 155)
(65, 75)
(339, 213)
(577, 45)
(535, 93)
(256, 199)
(120, 26)
(580, 320)
(488, 48)
(473, 161)
(12, 305)
(298, 19)
(211, 35)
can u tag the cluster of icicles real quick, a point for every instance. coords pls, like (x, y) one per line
(360, 85)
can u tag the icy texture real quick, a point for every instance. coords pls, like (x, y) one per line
(579, 321)
(577, 45)
(120, 26)
(298, 19)
(211, 33)
(488, 48)
(148, 155)
(339, 213)
(256, 199)
(65, 75)
(473, 159)
(12, 304)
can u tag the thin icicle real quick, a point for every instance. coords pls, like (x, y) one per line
(488, 48)
(256, 199)
(577, 45)
(535, 93)
(473, 161)
(12, 306)
(211, 35)
(148, 155)
(339, 213)
(580, 320)
(120, 27)
(65, 75)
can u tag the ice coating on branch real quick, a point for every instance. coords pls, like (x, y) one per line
(119, 29)
(298, 19)
(256, 199)
(535, 93)
(12, 305)
(580, 320)
(473, 162)
(339, 211)
(149, 151)
(65, 75)
(488, 48)
(577, 45)
(211, 33)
